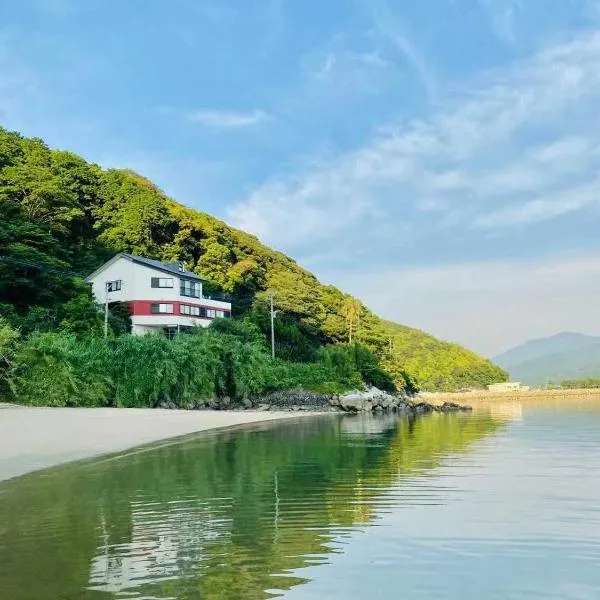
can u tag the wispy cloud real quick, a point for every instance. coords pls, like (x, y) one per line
(503, 15)
(390, 26)
(497, 148)
(226, 119)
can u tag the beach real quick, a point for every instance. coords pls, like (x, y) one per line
(37, 438)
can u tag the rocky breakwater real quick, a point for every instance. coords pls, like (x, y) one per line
(359, 401)
(375, 400)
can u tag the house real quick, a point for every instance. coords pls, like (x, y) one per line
(161, 296)
(508, 386)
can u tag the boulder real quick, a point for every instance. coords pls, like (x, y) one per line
(452, 407)
(356, 403)
(422, 407)
(335, 401)
(388, 402)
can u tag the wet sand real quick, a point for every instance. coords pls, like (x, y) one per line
(37, 438)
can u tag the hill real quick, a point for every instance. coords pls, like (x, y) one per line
(556, 358)
(62, 212)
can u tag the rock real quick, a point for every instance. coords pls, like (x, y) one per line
(452, 407)
(263, 407)
(422, 407)
(388, 402)
(247, 404)
(335, 401)
(356, 403)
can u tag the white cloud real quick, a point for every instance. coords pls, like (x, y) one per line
(225, 119)
(502, 143)
(541, 209)
(503, 14)
(488, 306)
(390, 26)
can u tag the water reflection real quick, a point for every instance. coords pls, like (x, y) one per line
(227, 515)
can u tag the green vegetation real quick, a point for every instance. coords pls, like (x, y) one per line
(579, 384)
(59, 211)
(229, 359)
(436, 365)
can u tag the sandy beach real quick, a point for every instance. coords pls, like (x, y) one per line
(37, 438)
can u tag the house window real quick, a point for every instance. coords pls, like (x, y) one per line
(194, 311)
(113, 286)
(162, 282)
(161, 309)
(191, 289)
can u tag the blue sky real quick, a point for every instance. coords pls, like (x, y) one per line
(437, 158)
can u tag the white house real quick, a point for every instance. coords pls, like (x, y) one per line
(508, 386)
(161, 296)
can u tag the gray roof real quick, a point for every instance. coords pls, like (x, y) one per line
(171, 268)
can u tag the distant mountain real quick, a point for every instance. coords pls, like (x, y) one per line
(556, 358)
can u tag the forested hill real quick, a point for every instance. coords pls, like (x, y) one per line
(58, 210)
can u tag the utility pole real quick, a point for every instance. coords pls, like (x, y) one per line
(272, 327)
(106, 309)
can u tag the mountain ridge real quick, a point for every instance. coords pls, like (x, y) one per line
(57, 208)
(565, 355)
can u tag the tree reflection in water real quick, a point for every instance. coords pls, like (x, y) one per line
(233, 514)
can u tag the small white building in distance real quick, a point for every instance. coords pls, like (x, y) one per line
(161, 296)
(508, 386)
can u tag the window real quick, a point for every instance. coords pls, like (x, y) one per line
(113, 286)
(161, 309)
(191, 289)
(162, 282)
(194, 311)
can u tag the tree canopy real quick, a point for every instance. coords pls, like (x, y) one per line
(59, 211)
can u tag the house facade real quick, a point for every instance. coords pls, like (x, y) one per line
(508, 386)
(161, 296)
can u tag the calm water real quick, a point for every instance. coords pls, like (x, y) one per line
(501, 504)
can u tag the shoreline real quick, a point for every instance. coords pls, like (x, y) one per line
(483, 395)
(37, 438)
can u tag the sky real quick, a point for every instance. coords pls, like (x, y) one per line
(439, 159)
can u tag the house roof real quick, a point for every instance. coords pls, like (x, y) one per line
(170, 268)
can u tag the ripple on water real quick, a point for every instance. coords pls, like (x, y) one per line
(489, 505)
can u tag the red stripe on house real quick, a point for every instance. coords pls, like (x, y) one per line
(143, 308)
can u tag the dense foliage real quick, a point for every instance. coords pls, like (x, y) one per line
(436, 365)
(59, 211)
(227, 360)
(579, 384)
